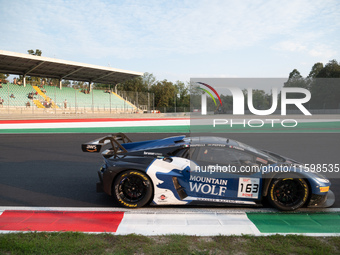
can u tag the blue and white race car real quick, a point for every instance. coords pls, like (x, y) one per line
(204, 170)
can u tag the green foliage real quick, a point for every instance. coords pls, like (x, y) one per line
(31, 79)
(165, 93)
(79, 85)
(321, 82)
(183, 95)
(37, 52)
(331, 70)
(138, 84)
(79, 243)
(295, 80)
(317, 67)
(227, 102)
(260, 100)
(51, 243)
(325, 92)
(66, 83)
(3, 77)
(325, 89)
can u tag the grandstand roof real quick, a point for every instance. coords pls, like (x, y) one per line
(25, 64)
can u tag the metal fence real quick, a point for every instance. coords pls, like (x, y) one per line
(142, 100)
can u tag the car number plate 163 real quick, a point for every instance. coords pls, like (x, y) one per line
(248, 187)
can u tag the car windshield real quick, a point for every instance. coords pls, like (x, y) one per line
(257, 151)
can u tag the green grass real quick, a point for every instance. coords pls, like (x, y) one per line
(79, 243)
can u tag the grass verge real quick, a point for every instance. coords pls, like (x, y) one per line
(79, 243)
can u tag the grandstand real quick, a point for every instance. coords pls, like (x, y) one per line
(35, 97)
(53, 97)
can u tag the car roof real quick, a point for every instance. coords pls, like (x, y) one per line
(154, 144)
(212, 140)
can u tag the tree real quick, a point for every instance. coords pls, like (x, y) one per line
(79, 85)
(102, 85)
(227, 101)
(165, 92)
(135, 85)
(138, 84)
(195, 96)
(3, 77)
(31, 79)
(325, 88)
(182, 96)
(331, 70)
(295, 79)
(66, 83)
(260, 99)
(317, 67)
(37, 52)
(148, 79)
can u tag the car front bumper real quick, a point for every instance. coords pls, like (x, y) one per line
(322, 200)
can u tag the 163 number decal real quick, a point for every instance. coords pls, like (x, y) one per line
(248, 187)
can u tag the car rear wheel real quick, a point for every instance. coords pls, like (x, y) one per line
(132, 189)
(288, 194)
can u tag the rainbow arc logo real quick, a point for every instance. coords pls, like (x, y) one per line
(209, 93)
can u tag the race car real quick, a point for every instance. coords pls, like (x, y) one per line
(206, 170)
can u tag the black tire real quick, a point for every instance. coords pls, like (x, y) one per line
(288, 194)
(132, 189)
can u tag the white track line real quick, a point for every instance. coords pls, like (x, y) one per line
(147, 123)
(186, 221)
(201, 224)
(162, 210)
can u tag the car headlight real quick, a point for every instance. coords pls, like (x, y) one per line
(321, 180)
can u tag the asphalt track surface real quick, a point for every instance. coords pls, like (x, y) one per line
(50, 170)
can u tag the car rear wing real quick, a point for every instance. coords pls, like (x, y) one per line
(116, 141)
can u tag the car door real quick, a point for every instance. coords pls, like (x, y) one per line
(220, 172)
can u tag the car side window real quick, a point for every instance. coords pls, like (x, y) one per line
(184, 153)
(222, 155)
(244, 158)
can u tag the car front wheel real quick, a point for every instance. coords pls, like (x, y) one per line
(132, 189)
(288, 194)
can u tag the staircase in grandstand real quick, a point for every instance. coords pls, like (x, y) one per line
(38, 103)
(46, 98)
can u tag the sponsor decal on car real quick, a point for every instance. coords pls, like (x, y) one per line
(216, 145)
(228, 201)
(162, 198)
(261, 160)
(203, 185)
(91, 148)
(152, 153)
